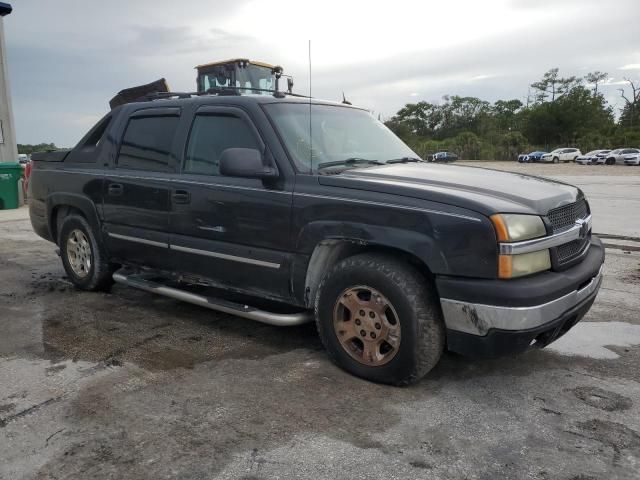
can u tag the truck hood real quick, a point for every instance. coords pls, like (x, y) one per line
(474, 188)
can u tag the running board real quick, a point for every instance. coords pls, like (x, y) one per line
(142, 282)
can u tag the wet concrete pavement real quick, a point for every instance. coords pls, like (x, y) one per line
(128, 385)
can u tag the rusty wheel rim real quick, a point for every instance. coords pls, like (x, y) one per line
(367, 325)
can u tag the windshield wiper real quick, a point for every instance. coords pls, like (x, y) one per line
(349, 162)
(404, 160)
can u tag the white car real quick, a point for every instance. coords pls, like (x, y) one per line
(561, 155)
(618, 156)
(632, 159)
(591, 157)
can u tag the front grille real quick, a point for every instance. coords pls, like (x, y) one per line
(571, 250)
(561, 219)
(565, 217)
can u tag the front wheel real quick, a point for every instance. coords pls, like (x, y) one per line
(610, 161)
(83, 256)
(379, 319)
(556, 160)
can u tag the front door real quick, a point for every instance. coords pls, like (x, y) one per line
(136, 189)
(233, 231)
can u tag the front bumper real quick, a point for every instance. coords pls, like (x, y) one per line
(496, 317)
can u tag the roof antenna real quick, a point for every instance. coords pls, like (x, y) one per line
(310, 131)
(344, 100)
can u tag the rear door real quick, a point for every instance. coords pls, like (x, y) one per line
(136, 189)
(234, 231)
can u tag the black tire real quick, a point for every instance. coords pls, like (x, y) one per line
(99, 275)
(610, 161)
(415, 301)
(556, 160)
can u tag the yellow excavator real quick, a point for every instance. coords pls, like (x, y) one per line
(229, 77)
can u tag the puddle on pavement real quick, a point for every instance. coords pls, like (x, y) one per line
(131, 326)
(591, 339)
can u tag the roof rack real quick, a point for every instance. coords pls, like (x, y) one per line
(219, 91)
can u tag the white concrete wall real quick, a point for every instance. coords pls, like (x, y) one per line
(8, 149)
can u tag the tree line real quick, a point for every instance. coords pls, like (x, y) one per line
(40, 147)
(560, 112)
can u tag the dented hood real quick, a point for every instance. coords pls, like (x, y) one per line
(479, 189)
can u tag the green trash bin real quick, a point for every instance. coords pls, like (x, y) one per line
(10, 175)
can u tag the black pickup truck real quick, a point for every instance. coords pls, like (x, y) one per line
(285, 210)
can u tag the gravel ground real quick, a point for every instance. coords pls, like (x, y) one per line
(127, 385)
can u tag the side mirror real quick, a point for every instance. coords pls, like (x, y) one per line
(244, 162)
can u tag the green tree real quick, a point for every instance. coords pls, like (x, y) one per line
(595, 78)
(40, 147)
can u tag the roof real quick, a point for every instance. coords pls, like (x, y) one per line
(236, 100)
(5, 9)
(236, 60)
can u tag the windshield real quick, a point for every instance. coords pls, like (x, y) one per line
(344, 135)
(557, 150)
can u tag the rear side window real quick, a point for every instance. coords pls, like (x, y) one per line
(210, 136)
(146, 144)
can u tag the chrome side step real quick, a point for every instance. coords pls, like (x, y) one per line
(278, 319)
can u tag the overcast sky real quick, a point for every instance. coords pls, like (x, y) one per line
(67, 58)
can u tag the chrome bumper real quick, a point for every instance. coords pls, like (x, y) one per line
(478, 319)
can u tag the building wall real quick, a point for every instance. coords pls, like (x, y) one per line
(8, 148)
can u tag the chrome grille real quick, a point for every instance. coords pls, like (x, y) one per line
(561, 219)
(565, 217)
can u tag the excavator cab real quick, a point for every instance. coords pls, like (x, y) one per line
(231, 77)
(240, 75)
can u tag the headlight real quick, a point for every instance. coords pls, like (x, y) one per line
(512, 266)
(516, 228)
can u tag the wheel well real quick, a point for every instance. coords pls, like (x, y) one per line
(58, 214)
(329, 252)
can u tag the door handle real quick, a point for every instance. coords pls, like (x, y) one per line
(181, 196)
(115, 189)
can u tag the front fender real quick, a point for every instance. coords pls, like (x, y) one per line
(418, 244)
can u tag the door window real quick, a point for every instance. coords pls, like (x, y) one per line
(210, 136)
(146, 144)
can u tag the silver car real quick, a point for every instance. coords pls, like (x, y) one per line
(591, 157)
(617, 157)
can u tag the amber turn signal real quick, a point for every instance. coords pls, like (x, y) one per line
(505, 266)
(501, 227)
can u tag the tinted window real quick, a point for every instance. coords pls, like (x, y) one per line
(210, 136)
(146, 144)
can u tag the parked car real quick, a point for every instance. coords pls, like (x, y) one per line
(23, 159)
(618, 156)
(592, 157)
(632, 159)
(532, 157)
(561, 155)
(444, 157)
(215, 200)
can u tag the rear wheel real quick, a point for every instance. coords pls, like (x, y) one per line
(379, 319)
(83, 255)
